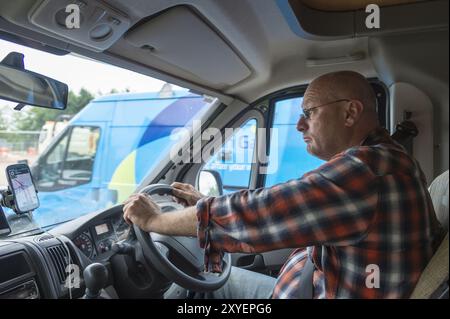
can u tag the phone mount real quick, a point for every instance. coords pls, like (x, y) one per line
(7, 200)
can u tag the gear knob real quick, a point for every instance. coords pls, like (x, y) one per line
(95, 277)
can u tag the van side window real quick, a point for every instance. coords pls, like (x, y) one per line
(288, 157)
(71, 160)
(233, 162)
(56, 156)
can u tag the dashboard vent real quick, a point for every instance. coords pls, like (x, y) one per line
(60, 259)
(44, 238)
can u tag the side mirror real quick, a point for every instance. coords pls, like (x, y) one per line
(30, 88)
(210, 183)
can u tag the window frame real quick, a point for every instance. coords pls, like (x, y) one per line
(238, 125)
(249, 113)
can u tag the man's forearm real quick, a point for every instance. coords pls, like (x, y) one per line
(178, 223)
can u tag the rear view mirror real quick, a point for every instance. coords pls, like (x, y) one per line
(30, 88)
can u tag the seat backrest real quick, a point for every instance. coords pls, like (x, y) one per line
(439, 194)
(433, 283)
(435, 274)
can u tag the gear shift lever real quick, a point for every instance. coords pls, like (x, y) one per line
(95, 277)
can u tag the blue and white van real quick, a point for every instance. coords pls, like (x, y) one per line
(106, 151)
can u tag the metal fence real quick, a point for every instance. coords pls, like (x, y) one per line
(19, 142)
(17, 146)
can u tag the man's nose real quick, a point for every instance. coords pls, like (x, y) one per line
(302, 125)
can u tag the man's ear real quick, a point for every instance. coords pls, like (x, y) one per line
(353, 112)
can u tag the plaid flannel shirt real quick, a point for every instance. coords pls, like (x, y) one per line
(366, 209)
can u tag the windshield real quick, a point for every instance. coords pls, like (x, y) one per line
(116, 128)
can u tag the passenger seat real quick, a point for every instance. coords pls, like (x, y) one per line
(433, 283)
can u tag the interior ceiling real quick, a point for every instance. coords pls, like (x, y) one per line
(254, 53)
(263, 53)
(257, 33)
(348, 5)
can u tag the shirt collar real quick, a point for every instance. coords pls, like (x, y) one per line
(377, 136)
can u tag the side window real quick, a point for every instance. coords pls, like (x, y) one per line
(70, 162)
(56, 156)
(233, 163)
(288, 157)
(81, 154)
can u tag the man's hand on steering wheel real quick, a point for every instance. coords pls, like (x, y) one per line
(186, 194)
(164, 233)
(141, 210)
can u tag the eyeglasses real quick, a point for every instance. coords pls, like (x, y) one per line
(307, 113)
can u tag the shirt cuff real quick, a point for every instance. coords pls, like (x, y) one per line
(213, 257)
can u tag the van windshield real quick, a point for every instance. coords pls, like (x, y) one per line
(117, 127)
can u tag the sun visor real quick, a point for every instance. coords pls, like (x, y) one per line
(180, 37)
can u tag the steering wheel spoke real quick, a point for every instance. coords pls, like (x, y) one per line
(163, 249)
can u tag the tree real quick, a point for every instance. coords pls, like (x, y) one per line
(77, 102)
(36, 117)
(3, 124)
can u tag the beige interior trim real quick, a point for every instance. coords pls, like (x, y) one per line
(434, 274)
(405, 97)
(180, 37)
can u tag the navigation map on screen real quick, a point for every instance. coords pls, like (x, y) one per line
(23, 188)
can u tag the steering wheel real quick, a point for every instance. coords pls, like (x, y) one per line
(161, 251)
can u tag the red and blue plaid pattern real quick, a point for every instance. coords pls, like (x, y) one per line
(366, 206)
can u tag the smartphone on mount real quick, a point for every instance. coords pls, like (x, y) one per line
(22, 188)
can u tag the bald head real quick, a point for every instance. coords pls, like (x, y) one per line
(341, 112)
(343, 85)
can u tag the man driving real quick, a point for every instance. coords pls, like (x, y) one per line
(365, 212)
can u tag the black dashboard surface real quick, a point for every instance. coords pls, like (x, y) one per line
(36, 266)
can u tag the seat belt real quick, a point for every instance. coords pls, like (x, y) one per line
(405, 133)
(306, 280)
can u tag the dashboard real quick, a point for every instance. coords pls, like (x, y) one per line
(96, 241)
(35, 266)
